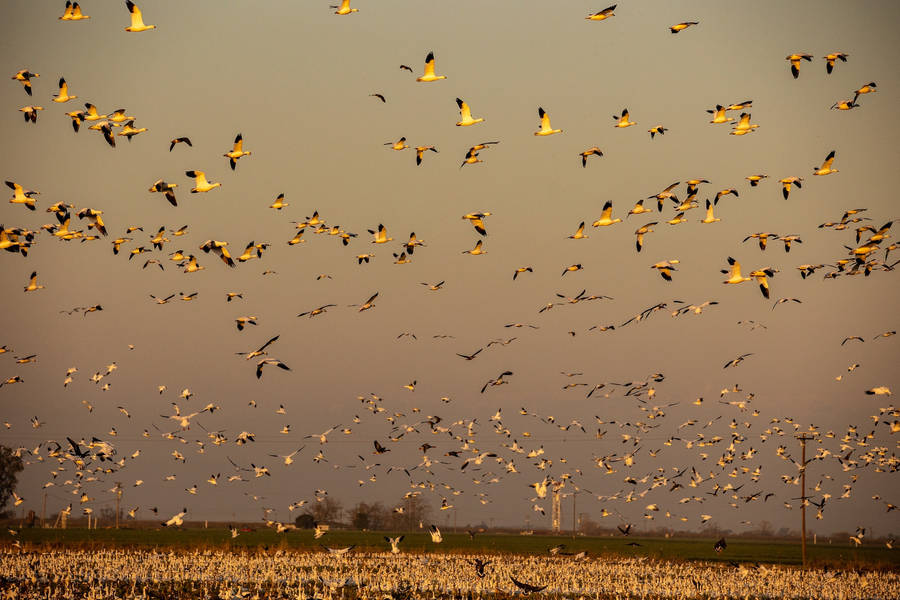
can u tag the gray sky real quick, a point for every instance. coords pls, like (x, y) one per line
(295, 79)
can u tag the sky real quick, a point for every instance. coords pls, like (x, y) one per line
(296, 80)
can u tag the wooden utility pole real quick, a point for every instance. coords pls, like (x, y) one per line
(43, 510)
(118, 499)
(803, 501)
(575, 493)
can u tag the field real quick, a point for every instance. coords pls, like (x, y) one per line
(692, 549)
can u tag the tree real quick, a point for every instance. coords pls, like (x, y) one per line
(328, 510)
(10, 466)
(372, 516)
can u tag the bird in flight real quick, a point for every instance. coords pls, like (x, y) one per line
(682, 26)
(269, 361)
(545, 129)
(237, 151)
(795, 59)
(603, 14)
(465, 115)
(595, 151)
(137, 20)
(622, 121)
(344, 8)
(429, 75)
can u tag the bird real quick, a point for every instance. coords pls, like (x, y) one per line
(603, 14)
(682, 26)
(755, 179)
(640, 233)
(398, 145)
(241, 322)
(379, 96)
(579, 233)
(200, 182)
(657, 129)
(736, 361)
(734, 276)
(477, 221)
(370, 303)
(545, 129)
(786, 183)
(176, 520)
(380, 236)
(220, 249)
(33, 284)
(21, 195)
(129, 130)
(344, 8)
(845, 104)
(167, 189)
(180, 140)
(590, 151)
(521, 270)
(63, 95)
(420, 150)
(720, 545)
(470, 356)
(279, 203)
(429, 75)
(269, 361)
(465, 115)
(719, 115)
(622, 121)
(743, 126)
(24, 77)
(665, 268)
(498, 381)
(395, 543)
(572, 268)
(237, 151)
(710, 207)
(826, 169)
(795, 59)
(783, 300)
(137, 20)
(31, 112)
(526, 586)
(868, 88)
(833, 56)
(476, 250)
(606, 216)
(639, 209)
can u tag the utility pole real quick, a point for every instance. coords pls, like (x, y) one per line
(575, 493)
(803, 501)
(43, 510)
(118, 499)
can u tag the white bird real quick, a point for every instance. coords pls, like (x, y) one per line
(429, 75)
(200, 182)
(63, 95)
(176, 520)
(435, 534)
(826, 169)
(603, 14)
(137, 20)
(465, 115)
(344, 8)
(395, 543)
(546, 129)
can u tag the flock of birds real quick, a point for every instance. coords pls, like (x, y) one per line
(718, 459)
(277, 575)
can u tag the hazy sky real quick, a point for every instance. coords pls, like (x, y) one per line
(295, 79)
